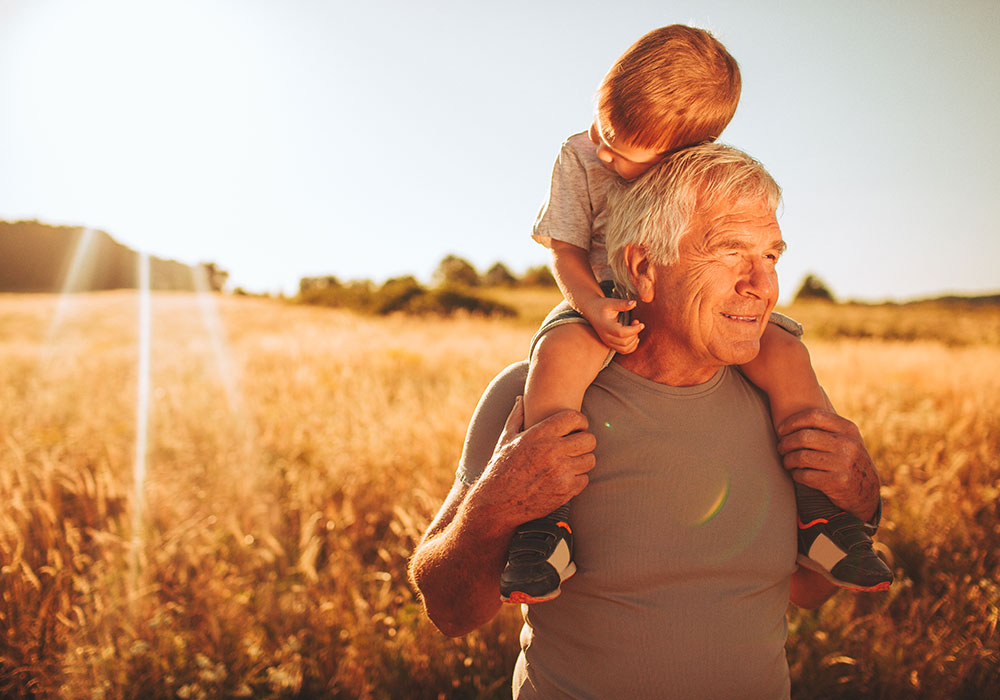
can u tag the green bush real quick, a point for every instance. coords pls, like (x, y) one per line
(396, 295)
(814, 289)
(499, 275)
(400, 294)
(355, 295)
(455, 270)
(540, 276)
(448, 300)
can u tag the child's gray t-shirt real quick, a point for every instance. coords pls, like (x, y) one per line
(575, 209)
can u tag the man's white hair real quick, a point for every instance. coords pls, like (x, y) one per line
(657, 209)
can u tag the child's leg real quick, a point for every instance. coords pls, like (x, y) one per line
(831, 541)
(564, 362)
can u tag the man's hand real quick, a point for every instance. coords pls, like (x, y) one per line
(534, 472)
(826, 452)
(602, 313)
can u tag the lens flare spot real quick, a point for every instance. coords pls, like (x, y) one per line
(716, 506)
(607, 425)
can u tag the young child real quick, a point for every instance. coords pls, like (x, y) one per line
(675, 87)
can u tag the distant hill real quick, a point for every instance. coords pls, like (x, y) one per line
(982, 301)
(955, 300)
(37, 257)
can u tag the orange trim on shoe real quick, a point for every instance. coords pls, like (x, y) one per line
(803, 526)
(565, 525)
(810, 564)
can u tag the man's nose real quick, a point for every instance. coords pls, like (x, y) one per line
(758, 280)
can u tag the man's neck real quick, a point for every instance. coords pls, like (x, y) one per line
(663, 363)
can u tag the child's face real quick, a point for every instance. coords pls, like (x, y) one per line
(628, 161)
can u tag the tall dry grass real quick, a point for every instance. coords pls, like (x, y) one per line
(295, 456)
(931, 418)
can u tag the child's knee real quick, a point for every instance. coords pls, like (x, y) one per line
(570, 343)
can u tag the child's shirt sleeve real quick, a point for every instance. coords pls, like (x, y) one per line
(574, 211)
(566, 215)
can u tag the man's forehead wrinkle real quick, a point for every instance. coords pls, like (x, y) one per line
(742, 236)
(738, 224)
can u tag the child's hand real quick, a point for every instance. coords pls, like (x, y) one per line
(603, 316)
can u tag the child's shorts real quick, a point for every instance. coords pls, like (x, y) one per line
(564, 313)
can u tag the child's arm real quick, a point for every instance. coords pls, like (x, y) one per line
(783, 371)
(579, 287)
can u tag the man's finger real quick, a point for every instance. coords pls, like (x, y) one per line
(807, 477)
(808, 439)
(579, 444)
(562, 423)
(515, 420)
(513, 425)
(809, 460)
(814, 418)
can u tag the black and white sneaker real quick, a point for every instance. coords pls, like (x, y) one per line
(837, 545)
(539, 559)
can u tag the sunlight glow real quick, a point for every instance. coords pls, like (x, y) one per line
(76, 280)
(209, 307)
(141, 414)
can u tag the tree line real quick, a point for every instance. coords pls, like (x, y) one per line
(39, 257)
(455, 287)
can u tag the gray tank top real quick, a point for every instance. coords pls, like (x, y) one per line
(685, 546)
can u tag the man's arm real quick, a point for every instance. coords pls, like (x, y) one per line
(457, 569)
(809, 589)
(457, 565)
(825, 451)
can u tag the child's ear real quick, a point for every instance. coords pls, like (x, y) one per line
(641, 271)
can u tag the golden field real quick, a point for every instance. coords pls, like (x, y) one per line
(293, 455)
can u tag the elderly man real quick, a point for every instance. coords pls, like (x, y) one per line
(685, 528)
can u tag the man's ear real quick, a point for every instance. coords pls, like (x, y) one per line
(641, 271)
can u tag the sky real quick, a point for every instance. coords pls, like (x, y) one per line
(284, 139)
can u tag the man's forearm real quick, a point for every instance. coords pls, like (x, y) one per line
(457, 566)
(809, 589)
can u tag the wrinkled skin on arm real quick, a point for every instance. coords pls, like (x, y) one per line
(457, 565)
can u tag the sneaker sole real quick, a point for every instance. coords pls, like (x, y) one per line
(813, 566)
(520, 598)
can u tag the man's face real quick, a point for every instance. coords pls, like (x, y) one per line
(716, 299)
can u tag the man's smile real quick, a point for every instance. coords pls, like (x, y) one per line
(743, 318)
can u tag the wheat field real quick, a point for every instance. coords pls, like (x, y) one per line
(236, 522)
